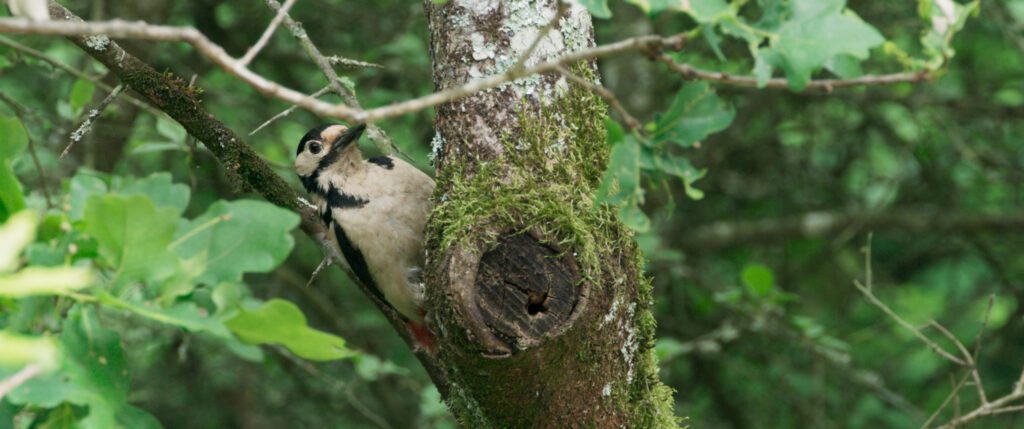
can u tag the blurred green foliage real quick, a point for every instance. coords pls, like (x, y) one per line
(142, 280)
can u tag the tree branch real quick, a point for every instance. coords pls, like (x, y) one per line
(143, 31)
(172, 95)
(824, 223)
(255, 49)
(827, 85)
(377, 135)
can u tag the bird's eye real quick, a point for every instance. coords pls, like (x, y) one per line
(315, 148)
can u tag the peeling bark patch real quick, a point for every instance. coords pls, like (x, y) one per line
(526, 290)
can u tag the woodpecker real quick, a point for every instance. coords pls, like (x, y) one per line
(36, 10)
(375, 210)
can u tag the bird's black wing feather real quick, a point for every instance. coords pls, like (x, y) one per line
(356, 261)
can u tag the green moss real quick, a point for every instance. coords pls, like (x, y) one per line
(546, 180)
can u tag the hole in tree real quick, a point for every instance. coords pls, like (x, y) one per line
(536, 302)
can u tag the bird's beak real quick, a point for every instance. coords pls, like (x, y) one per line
(350, 136)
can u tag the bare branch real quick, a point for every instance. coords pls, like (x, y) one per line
(824, 223)
(319, 269)
(376, 134)
(608, 96)
(289, 110)
(826, 85)
(86, 125)
(906, 325)
(348, 62)
(865, 289)
(972, 365)
(22, 113)
(103, 30)
(25, 374)
(265, 37)
(1001, 405)
(641, 43)
(559, 13)
(954, 393)
(143, 31)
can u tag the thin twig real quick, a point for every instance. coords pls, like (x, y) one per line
(289, 110)
(826, 85)
(952, 394)
(631, 122)
(144, 31)
(348, 62)
(888, 311)
(319, 269)
(559, 13)
(377, 135)
(27, 373)
(86, 125)
(22, 113)
(265, 37)
(1001, 405)
(971, 364)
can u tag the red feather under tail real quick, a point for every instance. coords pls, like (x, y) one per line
(422, 336)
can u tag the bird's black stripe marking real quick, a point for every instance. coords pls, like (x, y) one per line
(356, 261)
(309, 182)
(383, 161)
(337, 147)
(313, 134)
(325, 216)
(340, 200)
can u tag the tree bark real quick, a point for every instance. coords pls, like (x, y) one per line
(537, 297)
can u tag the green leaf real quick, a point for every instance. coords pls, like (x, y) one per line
(17, 351)
(622, 179)
(160, 189)
(133, 235)
(695, 113)
(597, 8)
(81, 93)
(183, 315)
(759, 280)
(233, 238)
(80, 188)
(944, 20)
(818, 31)
(15, 234)
(44, 281)
(13, 139)
(676, 166)
(371, 368)
(621, 184)
(704, 11)
(227, 296)
(281, 322)
(92, 373)
(137, 418)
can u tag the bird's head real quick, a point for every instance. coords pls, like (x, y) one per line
(322, 146)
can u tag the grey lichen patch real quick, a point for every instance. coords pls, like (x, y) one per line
(436, 146)
(98, 42)
(482, 50)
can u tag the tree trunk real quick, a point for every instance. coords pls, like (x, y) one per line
(538, 298)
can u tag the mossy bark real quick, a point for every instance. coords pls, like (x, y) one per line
(537, 297)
